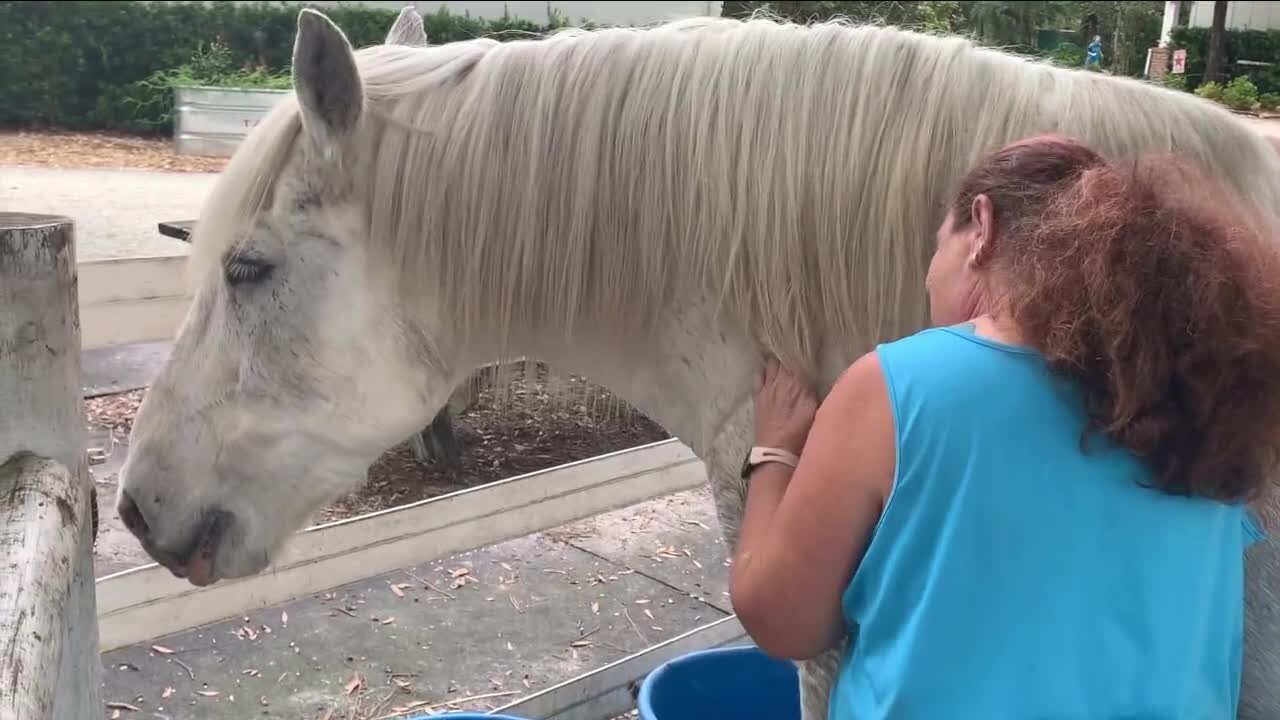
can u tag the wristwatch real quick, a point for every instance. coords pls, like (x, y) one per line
(758, 456)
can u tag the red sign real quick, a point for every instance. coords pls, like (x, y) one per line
(1179, 61)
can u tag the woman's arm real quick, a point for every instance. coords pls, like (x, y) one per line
(804, 531)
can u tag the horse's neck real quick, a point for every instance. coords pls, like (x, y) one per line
(690, 376)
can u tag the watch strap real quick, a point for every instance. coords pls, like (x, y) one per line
(761, 455)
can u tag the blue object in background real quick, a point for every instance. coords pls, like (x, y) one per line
(1093, 54)
(740, 683)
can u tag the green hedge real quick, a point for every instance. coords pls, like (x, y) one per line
(1261, 45)
(96, 64)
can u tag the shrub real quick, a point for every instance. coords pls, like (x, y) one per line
(1240, 94)
(1210, 91)
(90, 64)
(1269, 101)
(1067, 54)
(1260, 45)
(1174, 82)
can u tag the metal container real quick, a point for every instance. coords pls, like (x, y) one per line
(213, 121)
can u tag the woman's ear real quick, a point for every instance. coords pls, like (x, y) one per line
(982, 223)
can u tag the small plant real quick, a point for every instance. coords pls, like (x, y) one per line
(1174, 82)
(151, 100)
(1269, 101)
(1067, 55)
(1210, 91)
(1240, 94)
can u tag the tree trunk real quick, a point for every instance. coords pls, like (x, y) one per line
(733, 9)
(48, 613)
(1215, 64)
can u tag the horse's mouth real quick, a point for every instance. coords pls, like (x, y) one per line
(196, 565)
(200, 567)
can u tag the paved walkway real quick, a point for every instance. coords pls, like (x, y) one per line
(116, 211)
(503, 622)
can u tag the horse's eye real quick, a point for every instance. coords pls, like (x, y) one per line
(246, 270)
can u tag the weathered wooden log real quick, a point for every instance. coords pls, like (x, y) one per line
(39, 538)
(49, 658)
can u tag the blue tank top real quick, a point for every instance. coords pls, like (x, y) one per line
(1012, 575)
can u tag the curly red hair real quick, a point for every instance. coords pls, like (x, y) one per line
(1156, 293)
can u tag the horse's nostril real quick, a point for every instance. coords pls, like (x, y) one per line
(132, 516)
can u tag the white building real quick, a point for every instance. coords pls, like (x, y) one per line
(1241, 14)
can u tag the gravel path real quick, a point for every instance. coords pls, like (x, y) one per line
(116, 211)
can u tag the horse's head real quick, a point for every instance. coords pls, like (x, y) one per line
(293, 371)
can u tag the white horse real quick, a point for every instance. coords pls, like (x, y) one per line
(652, 208)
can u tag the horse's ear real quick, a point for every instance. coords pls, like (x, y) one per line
(407, 29)
(325, 78)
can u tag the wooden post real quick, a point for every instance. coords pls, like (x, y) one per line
(48, 612)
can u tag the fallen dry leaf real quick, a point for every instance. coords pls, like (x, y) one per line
(162, 649)
(284, 619)
(354, 684)
(168, 693)
(398, 592)
(115, 715)
(122, 706)
(595, 608)
(459, 572)
(648, 614)
(388, 621)
(208, 693)
(579, 643)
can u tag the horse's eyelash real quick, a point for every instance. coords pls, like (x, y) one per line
(246, 269)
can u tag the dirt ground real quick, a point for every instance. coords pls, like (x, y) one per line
(528, 427)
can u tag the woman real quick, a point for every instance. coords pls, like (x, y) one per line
(1035, 509)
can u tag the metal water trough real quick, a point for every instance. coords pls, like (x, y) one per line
(213, 121)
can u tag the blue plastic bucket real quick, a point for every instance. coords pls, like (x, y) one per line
(740, 683)
(465, 716)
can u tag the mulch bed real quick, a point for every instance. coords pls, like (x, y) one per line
(518, 427)
(72, 150)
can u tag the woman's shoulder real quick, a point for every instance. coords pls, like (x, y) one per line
(962, 335)
(927, 338)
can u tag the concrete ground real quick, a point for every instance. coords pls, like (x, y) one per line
(493, 625)
(1269, 126)
(116, 211)
(121, 368)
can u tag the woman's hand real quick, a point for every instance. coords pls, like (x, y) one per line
(785, 409)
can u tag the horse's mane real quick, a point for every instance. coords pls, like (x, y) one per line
(795, 173)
